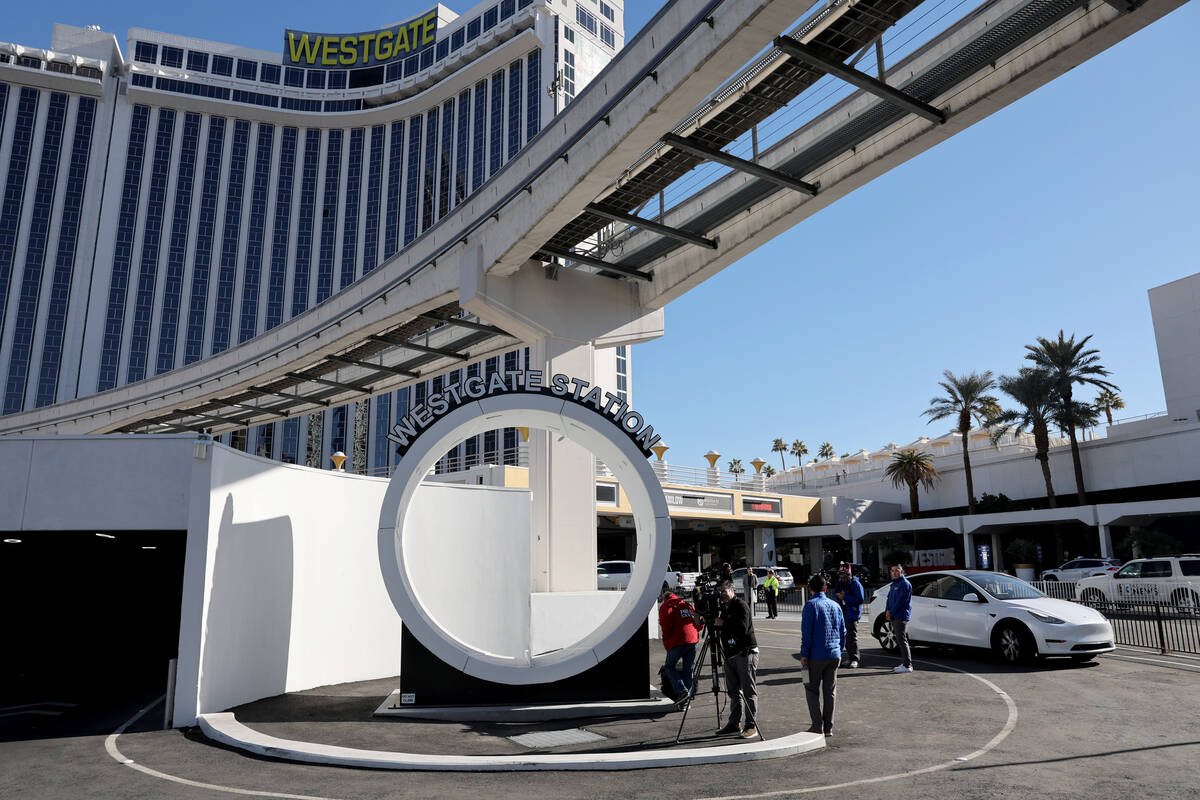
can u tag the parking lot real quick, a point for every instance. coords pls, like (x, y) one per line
(1126, 725)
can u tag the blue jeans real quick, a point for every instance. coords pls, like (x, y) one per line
(682, 683)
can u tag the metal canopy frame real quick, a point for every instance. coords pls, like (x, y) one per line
(740, 164)
(420, 348)
(875, 86)
(356, 362)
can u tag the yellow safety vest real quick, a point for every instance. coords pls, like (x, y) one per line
(772, 583)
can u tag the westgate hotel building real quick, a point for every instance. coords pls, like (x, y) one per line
(166, 202)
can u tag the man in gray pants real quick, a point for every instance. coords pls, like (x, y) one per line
(823, 637)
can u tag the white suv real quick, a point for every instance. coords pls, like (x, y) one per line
(1167, 579)
(1081, 568)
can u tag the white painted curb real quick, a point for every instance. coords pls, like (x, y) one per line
(224, 728)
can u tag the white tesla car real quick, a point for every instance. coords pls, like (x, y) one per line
(997, 611)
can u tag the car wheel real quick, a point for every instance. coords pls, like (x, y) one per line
(1014, 643)
(1050, 577)
(1092, 596)
(1083, 659)
(665, 587)
(885, 635)
(761, 596)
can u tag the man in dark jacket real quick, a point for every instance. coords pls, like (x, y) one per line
(899, 612)
(736, 630)
(822, 637)
(680, 632)
(850, 594)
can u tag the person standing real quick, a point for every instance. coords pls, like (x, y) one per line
(822, 638)
(680, 632)
(771, 592)
(850, 594)
(899, 612)
(741, 663)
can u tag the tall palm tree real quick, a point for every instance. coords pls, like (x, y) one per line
(826, 450)
(778, 446)
(800, 450)
(735, 466)
(966, 397)
(1036, 394)
(1107, 402)
(1070, 362)
(912, 468)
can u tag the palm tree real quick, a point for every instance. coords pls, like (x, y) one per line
(800, 450)
(965, 397)
(778, 446)
(1069, 363)
(912, 468)
(735, 466)
(1107, 402)
(1037, 395)
(769, 471)
(826, 450)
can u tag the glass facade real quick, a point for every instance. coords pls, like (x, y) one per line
(256, 232)
(177, 246)
(198, 305)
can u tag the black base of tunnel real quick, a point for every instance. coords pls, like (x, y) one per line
(433, 682)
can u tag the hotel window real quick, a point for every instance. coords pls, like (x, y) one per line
(429, 187)
(56, 319)
(293, 77)
(533, 97)
(197, 61)
(568, 75)
(462, 135)
(247, 70)
(446, 158)
(496, 137)
(507, 8)
(457, 39)
(156, 197)
(394, 71)
(412, 65)
(256, 232)
(607, 11)
(227, 274)
(172, 56)
(569, 33)
(178, 245)
(350, 223)
(623, 373)
(270, 74)
(315, 79)
(391, 233)
(198, 306)
(427, 58)
(608, 37)
(329, 215)
(443, 49)
(585, 20)
(146, 52)
(337, 79)
(304, 219)
(370, 249)
(277, 281)
(412, 182)
(473, 29)
(222, 65)
(489, 19)
(291, 441)
(381, 456)
(478, 146)
(515, 86)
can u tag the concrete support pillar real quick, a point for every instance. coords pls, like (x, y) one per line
(969, 551)
(856, 550)
(816, 555)
(563, 321)
(1106, 546)
(763, 541)
(997, 556)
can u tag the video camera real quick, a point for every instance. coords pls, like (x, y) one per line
(708, 585)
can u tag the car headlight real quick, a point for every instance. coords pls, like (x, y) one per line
(1048, 619)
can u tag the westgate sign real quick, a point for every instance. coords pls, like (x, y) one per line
(367, 49)
(530, 381)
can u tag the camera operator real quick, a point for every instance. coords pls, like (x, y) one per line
(736, 629)
(680, 632)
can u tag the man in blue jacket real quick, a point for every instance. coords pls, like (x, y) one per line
(850, 594)
(823, 635)
(899, 612)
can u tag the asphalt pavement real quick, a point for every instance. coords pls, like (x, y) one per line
(1125, 725)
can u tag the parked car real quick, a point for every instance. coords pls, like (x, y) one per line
(997, 611)
(1078, 568)
(1167, 579)
(783, 574)
(614, 575)
(679, 580)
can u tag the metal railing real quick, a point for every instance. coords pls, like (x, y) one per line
(1060, 590)
(699, 477)
(1167, 628)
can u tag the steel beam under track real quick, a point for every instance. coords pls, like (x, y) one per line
(380, 367)
(862, 80)
(740, 164)
(651, 225)
(592, 261)
(420, 348)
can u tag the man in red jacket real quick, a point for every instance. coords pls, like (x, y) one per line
(680, 632)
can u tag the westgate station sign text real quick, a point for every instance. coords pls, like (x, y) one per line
(368, 49)
(574, 390)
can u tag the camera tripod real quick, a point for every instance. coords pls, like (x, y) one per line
(711, 649)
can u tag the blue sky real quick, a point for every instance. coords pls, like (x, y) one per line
(1059, 211)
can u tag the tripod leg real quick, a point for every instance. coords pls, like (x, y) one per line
(691, 693)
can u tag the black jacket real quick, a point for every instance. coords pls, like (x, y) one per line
(737, 629)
